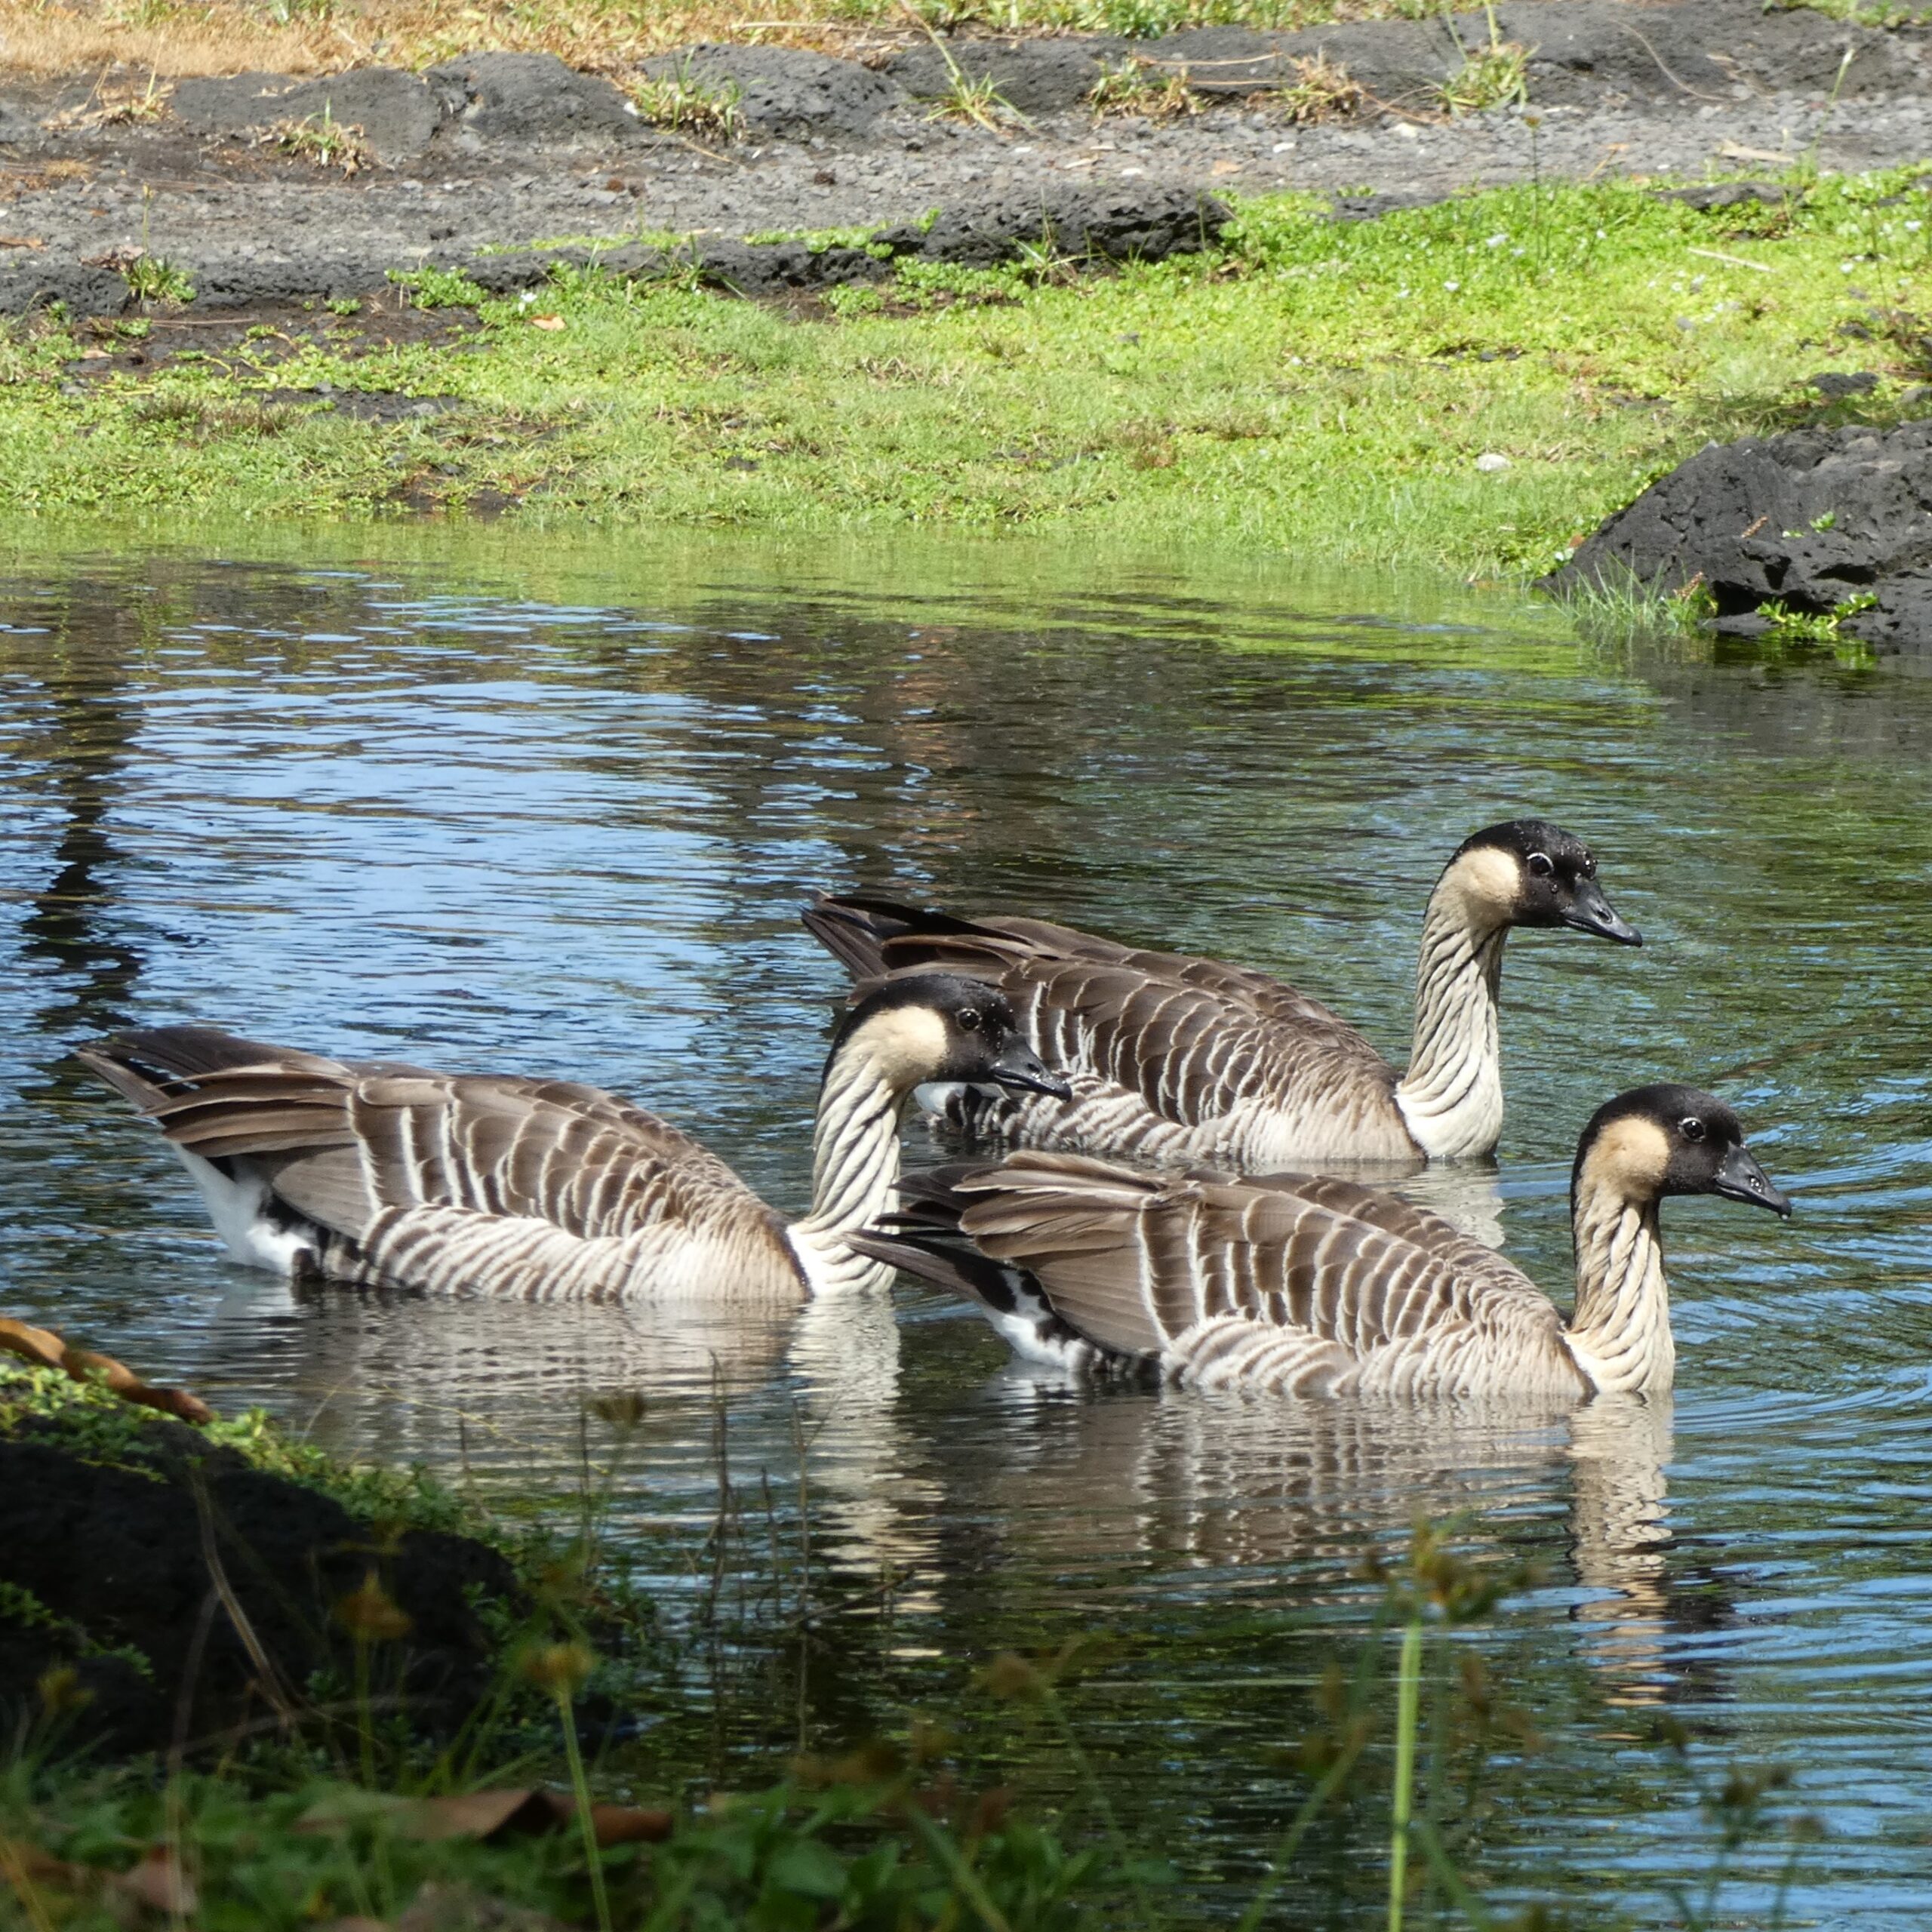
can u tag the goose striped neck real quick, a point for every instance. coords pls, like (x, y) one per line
(1620, 1332)
(855, 1164)
(1451, 1097)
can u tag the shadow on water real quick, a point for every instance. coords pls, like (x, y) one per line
(530, 804)
(74, 730)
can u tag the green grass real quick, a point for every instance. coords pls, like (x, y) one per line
(1320, 388)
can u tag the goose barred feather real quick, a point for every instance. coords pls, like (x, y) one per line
(1177, 1059)
(376, 1172)
(391, 1173)
(1291, 1284)
(1170, 1057)
(1300, 1284)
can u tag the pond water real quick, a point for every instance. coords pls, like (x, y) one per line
(522, 804)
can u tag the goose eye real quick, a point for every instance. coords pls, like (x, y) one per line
(969, 1020)
(1540, 864)
(1691, 1128)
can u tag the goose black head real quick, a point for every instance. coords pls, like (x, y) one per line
(1670, 1139)
(1535, 874)
(942, 1026)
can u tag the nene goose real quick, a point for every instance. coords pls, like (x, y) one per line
(1298, 1286)
(1174, 1059)
(375, 1173)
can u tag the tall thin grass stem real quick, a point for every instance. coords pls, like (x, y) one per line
(1298, 1829)
(586, 1824)
(1408, 1697)
(365, 1722)
(945, 1853)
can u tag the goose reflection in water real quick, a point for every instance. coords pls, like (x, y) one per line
(514, 1387)
(1261, 1492)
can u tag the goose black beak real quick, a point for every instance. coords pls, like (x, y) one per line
(1590, 912)
(1017, 1066)
(1739, 1178)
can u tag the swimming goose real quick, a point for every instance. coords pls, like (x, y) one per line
(1292, 1285)
(377, 1173)
(1174, 1059)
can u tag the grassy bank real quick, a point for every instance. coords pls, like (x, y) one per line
(179, 37)
(1471, 385)
(345, 1811)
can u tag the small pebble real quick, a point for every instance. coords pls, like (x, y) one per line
(1490, 461)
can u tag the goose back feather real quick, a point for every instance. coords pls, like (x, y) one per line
(1290, 1284)
(377, 1172)
(1300, 1284)
(1170, 1057)
(1175, 1059)
(389, 1173)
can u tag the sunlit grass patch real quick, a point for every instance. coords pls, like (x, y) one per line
(686, 105)
(323, 140)
(185, 37)
(1472, 386)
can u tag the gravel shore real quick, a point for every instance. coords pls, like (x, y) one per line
(498, 152)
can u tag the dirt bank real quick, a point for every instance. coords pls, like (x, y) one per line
(183, 1594)
(500, 152)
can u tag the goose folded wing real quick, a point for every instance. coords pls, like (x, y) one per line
(1135, 1261)
(1193, 1052)
(341, 1142)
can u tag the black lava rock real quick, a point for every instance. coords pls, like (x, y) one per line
(397, 113)
(1114, 224)
(1035, 76)
(203, 1567)
(36, 282)
(530, 100)
(785, 93)
(1811, 519)
(1707, 195)
(1090, 223)
(1834, 384)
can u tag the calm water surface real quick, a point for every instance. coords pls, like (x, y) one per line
(546, 809)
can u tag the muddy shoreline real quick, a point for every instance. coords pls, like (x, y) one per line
(478, 162)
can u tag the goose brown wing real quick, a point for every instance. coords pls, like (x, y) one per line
(1193, 1037)
(1133, 1260)
(343, 1141)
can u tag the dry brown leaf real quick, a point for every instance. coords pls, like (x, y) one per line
(630, 1824)
(494, 1814)
(21, 241)
(546, 322)
(480, 1814)
(159, 1883)
(44, 1346)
